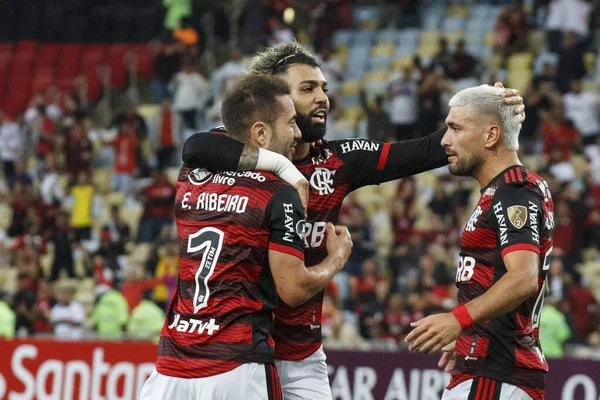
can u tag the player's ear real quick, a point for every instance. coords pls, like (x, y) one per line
(260, 134)
(493, 137)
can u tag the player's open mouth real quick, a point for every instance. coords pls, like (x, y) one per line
(319, 116)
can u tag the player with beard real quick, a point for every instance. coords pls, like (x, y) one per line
(334, 169)
(492, 338)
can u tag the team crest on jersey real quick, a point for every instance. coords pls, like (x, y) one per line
(473, 219)
(517, 215)
(199, 176)
(322, 181)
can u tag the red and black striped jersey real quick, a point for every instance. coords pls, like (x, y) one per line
(221, 313)
(515, 212)
(333, 169)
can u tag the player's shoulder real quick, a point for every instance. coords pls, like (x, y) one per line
(517, 181)
(351, 145)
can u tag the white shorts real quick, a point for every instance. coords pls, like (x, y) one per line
(485, 389)
(250, 381)
(305, 379)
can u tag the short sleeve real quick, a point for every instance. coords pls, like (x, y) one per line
(285, 216)
(516, 213)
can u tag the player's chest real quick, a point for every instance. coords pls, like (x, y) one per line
(478, 230)
(328, 184)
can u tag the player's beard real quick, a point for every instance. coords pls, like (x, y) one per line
(311, 132)
(278, 146)
(466, 165)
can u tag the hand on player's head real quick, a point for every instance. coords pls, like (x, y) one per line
(511, 96)
(339, 240)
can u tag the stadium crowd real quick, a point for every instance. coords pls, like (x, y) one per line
(87, 238)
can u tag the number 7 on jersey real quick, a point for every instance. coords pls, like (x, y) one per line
(209, 240)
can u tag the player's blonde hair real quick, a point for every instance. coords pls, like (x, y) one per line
(486, 99)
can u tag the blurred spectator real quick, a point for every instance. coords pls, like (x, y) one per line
(582, 109)
(432, 85)
(280, 33)
(11, 145)
(22, 303)
(146, 320)
(82, 213)
(363, 238)
(186, 34)
(104, 275)
(404, 110)
(51, 189)
(134, 286)
(158, 199)
(570, 61)
(44, 303)
(372, 319)
(110, 315)
(166, 64)
(512, 30)
(46, 142)
(67, 316)
(583, 308)
(559, 135)
(591, 198)
(19, 200)
(379, 125)
(62, 238)
(554, 330)
(116, 231)
(462, 64)
(79, 149)
(230, 71)
(567, 16)
(191, 94)
(564, 228)
(165, 132)
(176, 10)
(125, 145)
(557, 279)
(166, 272)
(396, 318)
(331, 70)
(20, 174)
(442, 59)
(7, 321)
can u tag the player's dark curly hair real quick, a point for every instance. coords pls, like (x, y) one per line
(276, 59)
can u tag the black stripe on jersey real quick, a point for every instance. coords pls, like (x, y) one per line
(500, 357)
(475, 388)
(483, 255)
(300, 333)
(221, 288)
(241, 253)
(263, 322)
(252, 217)
(238, 352)
(469, 291)
(530, 378)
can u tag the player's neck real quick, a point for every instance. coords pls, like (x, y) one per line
(302, 150)
(495, 165)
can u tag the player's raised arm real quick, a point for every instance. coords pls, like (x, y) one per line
(217, 151)
(295, 283)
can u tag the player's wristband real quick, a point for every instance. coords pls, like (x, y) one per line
(279, 165)
(463, 317)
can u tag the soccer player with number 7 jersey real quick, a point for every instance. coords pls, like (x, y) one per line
(491, 341)
(241, 246)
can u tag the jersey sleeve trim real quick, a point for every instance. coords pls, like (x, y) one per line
(384, 156)
(286, 249)
(521, 246)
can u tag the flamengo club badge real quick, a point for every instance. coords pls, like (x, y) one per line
(517, 215)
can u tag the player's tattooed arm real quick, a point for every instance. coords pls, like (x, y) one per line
(248, 159)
